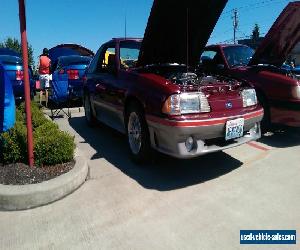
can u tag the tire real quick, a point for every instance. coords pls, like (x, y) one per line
(89, 116)
(138, 134)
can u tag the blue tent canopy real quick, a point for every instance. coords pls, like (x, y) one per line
(7, 102)
(68, 50)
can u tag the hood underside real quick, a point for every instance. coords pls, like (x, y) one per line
(177, 31)
(281, 38)
(68, 50)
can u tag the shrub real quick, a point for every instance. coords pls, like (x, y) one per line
(52, 146)
(37, 115)
(14, 144)
(20, 116)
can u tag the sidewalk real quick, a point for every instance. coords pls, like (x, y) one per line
(197, 204)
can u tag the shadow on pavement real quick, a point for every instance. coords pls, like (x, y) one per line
(165, 173)
(282, 137)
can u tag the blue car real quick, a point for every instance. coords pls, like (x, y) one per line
(295, 71)
(71, 68)
(7, 102)
(69, 62)
(13, 65)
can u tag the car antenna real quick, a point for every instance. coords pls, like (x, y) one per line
(125, 26)
(187, 40)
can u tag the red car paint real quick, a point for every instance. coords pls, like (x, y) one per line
(121, 86)
(278, 89)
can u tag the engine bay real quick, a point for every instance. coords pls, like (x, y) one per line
(183, 76)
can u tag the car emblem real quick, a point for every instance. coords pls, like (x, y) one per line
(228, 105)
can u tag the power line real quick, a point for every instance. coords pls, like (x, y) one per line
(251, 7)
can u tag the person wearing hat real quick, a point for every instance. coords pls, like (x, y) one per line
(44, 72)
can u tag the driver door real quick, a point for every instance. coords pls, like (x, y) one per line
(106, 87)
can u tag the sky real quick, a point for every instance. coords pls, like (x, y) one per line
(93, 22)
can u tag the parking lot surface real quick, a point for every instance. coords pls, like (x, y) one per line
(169, 204)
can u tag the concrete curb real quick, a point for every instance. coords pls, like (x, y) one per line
(29, 196)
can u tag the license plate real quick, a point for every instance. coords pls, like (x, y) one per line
(234, 129)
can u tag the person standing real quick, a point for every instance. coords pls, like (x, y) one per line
(44, 72)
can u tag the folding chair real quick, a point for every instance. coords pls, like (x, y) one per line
(59, 98)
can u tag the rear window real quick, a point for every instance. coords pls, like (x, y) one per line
(75, 60)
(5, 59)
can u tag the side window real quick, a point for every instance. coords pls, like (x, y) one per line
(211, 56)
(208, 55)
(106, 60)
(129, 54)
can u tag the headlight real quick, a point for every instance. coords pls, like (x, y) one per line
(186, 103)
(296, 92)
(249, 97)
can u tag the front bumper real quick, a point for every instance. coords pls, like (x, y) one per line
(169, 137)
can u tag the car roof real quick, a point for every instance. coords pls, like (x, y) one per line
(224, 45)
(122, 39)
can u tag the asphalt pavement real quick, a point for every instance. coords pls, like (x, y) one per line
(201, 203)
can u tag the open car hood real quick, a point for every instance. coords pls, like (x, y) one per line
(177, 31)
(68, 50)
(281, 38)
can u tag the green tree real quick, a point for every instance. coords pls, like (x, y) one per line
(14, 44)
(255, 32)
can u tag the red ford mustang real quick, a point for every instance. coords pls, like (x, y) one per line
(152, 90)
(278, 90)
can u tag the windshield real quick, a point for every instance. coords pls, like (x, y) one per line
(238, 55)
(129, 53)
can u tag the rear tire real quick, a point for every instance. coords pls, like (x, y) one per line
(89, 116)
(138, 134)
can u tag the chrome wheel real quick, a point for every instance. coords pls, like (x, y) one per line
(134, 133)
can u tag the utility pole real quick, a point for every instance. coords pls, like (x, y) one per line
(22, 17)
(235, 24)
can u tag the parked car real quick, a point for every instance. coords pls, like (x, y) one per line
(71, 69)
(7, 102)
(278, 88)
(13, 65)
(69, 62)
(150, 90)
(294, 70)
